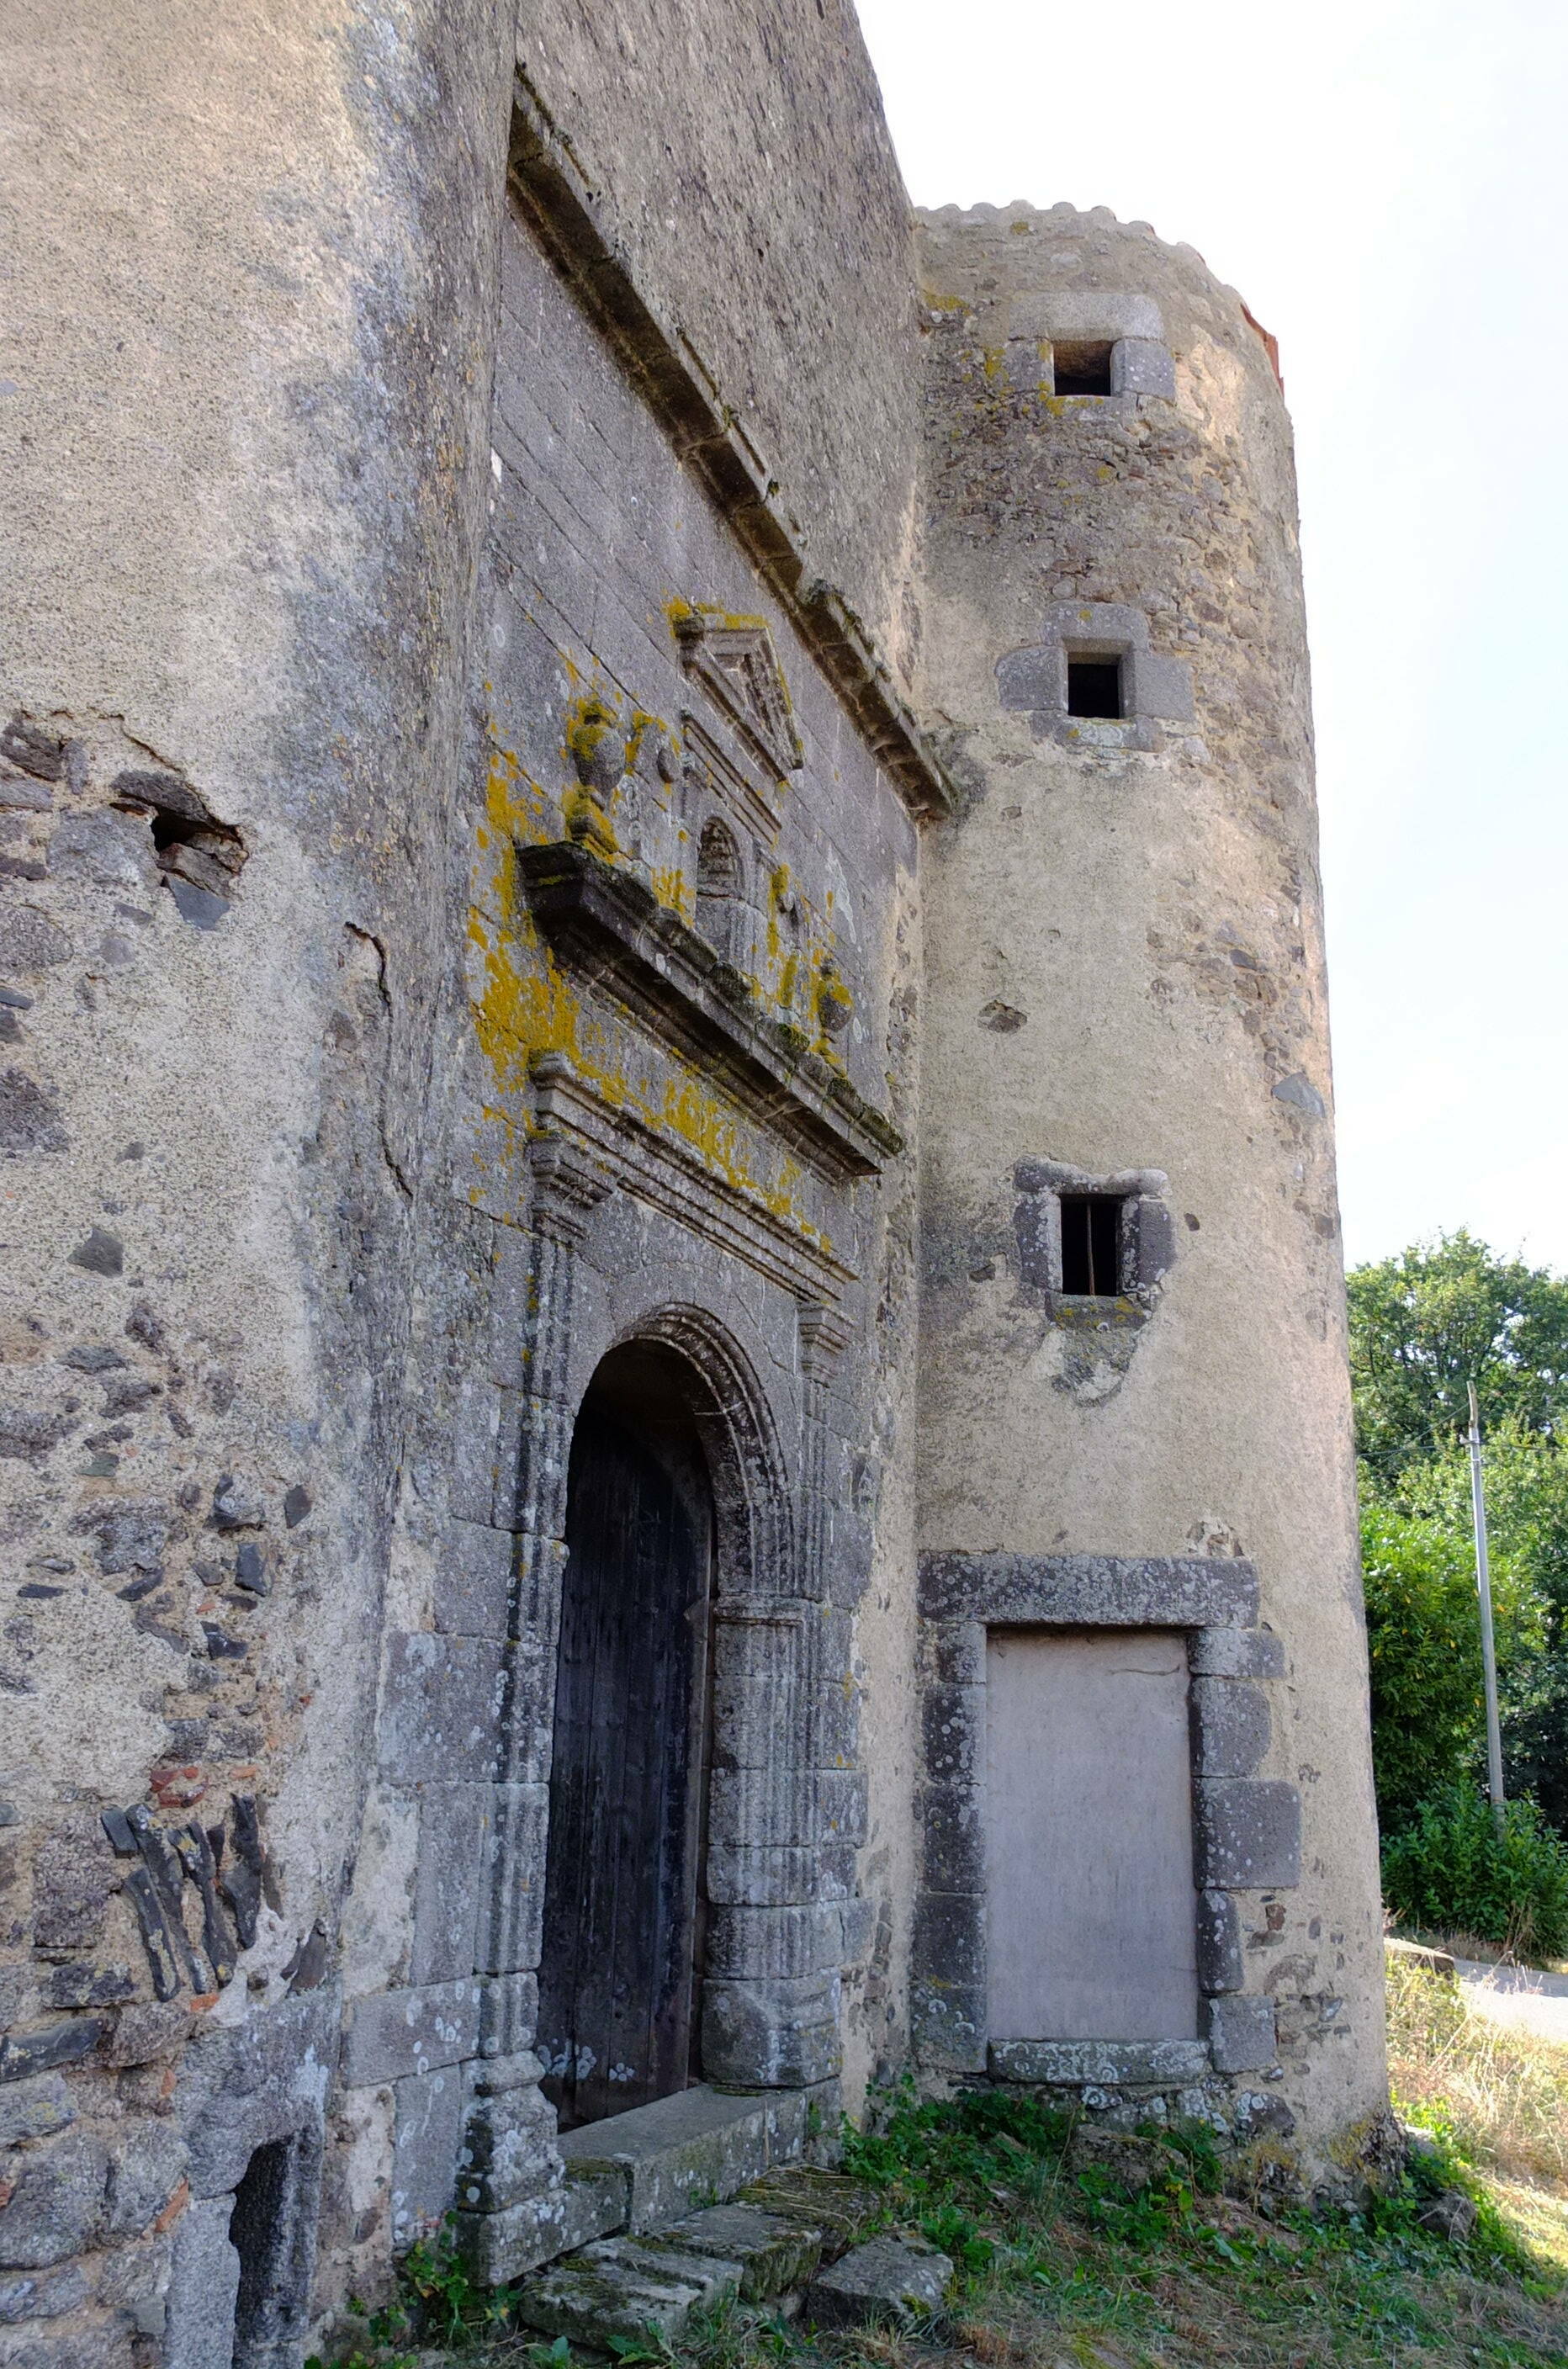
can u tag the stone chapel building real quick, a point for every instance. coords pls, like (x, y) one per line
(674, 1414)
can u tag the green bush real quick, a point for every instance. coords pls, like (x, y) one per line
(1450, 1869)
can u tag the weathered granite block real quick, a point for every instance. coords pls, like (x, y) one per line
(1143, 366)
(512, 1903)
(952, 1725)
(773, 2033)
(1248, 1833)
(1072, 2064)
(952, 1652)
(1219, 1956)
(1242, 2036)
(440, 1709)
(751, 1943)
(510, 2140)
(396, 2035)
(509, 2013)
(949, 1940)
(203, 2288)
(1231, 1726)
(844, 1804)
(948, 2022)
(446, 1889)
(669, 2154)
(893, 2281)
(763, 1875)
(1122, 1591)
(1236, 1653)
(951, 1825)
(473, 1580)
(502, 2246)
(774, 2253)
(427, 2134)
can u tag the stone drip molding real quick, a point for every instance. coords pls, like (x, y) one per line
(564, 214)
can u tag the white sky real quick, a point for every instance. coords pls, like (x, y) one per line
(1386, 184)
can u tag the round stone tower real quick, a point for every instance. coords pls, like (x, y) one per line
(1134, 1416)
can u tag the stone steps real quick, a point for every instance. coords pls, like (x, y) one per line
(780, 2236)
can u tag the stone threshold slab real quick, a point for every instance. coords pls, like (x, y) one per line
(1075, 2064)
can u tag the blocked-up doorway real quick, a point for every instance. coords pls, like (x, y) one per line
(1090, 1903)
(622, 1943)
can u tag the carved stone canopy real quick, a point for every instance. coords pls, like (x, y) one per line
(733, 658)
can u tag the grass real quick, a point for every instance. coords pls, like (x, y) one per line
(1500, 2093)
(1060, 2268)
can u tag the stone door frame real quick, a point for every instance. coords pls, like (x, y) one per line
(1246, 1829)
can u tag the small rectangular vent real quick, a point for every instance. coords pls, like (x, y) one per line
(1094, 687)
(1091, 1246)
(1082, 369)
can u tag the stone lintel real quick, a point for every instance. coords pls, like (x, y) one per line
(1006, 1590)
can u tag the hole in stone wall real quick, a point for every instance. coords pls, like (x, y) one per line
(1082, 368)
(188, 841)
(1091, 1246)
(1094, 687)
(259, 2233)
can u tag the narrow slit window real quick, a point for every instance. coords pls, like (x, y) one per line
(1082, 369)
(1091, 1246)
(1094, 687)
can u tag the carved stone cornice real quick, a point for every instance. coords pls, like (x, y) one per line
(567, 1187)
(606, 923)
(824, 1336)
(612, 1143)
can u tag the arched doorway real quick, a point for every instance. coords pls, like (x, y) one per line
(620, 1975)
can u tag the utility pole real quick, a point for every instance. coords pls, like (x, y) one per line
(1488, 1643)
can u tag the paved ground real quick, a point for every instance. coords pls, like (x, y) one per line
(1518, 1994)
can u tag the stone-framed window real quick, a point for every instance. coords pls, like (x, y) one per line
(1039, 679)
(1244, 1829)
(1084, 1238)
(1089, 342)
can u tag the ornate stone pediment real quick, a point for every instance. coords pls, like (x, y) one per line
(733, 658)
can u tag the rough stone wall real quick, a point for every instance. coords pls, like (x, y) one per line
(1124, 992)
(251, 258)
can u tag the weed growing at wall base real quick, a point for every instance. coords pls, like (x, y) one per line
(1189, 2258)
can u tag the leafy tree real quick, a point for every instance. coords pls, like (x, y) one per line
(1527, 1520)
(1426, 1322)
(1424, 1646)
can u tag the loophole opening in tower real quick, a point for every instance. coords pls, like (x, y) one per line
(1094, 687)
(1091, 1246)
(1082, 368)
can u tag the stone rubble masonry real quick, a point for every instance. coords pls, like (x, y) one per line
(369, 1071)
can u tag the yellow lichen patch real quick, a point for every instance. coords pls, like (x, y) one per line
(528, 1006)
(675, 892)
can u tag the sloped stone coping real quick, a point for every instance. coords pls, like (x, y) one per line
(608, 924)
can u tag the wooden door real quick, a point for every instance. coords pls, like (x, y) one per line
(618, 1981)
